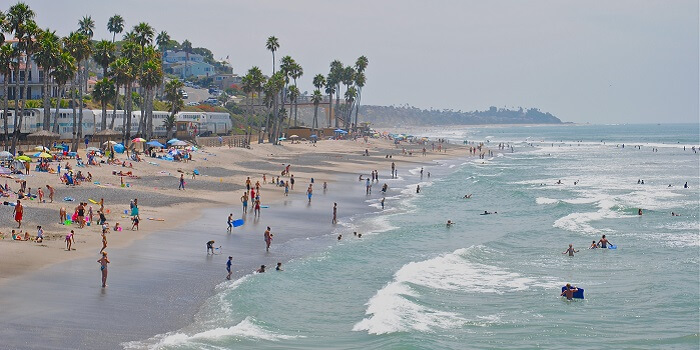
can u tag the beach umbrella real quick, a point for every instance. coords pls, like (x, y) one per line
(92, 149)
(41, 148)
(45, 155)
(119, 148)
(294, 137)
(282, 138)
(5, 155)
(172, 141)
(155, 143)
(23, 158)
(109, 143)
(339, 130)
(138, 139)
(180, 143)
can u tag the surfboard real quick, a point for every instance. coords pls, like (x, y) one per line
(238, 222)
(264, 206)
(92, 201)
(577, 295)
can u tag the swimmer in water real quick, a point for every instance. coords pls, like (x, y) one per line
(450, 223)
(418, 189)
(603, 243)
(569, 291)
(279, 267)
(639, 212)
(593, 246)
(570, 250)
(261, 269)
(467, 196)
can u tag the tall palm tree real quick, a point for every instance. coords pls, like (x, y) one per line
(273, 89)
(87, 26)
(7, 56)
(104, 92)
(80, 47)
(151, 78)
(335, 76)
(46, 56)
(286, 67)
(272, 45)
(174, 98)
(187, 47)
(293, 95)
(62, 73)
(143, 33)
(316, 98)
(360, 80)
(348, 79)
(330, 90)
(18, 19)
(163, 41)
(104, 54)
(255, 81)
(296, 72)
(319, 82)
(248, 86)
(121, 74)
(115, 25)
(350, 95)
(132, 52)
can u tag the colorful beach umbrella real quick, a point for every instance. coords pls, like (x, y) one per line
(109, 143)
(45, 155)
(23, 158)
(138, 139)
(41, 148)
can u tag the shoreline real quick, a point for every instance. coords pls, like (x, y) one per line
(135, 253)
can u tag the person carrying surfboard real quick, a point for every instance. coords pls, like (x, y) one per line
(569, 292)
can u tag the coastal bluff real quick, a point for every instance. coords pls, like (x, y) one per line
(406, 115)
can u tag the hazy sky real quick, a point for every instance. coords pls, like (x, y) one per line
(604, 61)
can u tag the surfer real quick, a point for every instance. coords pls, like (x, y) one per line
(569, 291)
(571, 250)
(603, 243)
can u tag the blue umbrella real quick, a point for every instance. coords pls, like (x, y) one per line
(173, 140)
(119, 148)
(339, 130)
(155, 143)
(314, 136)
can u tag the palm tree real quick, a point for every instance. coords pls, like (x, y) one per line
(87, 26)
(316, 98)
(348, 79)
(18, 18)
(79, 46)
(163, 41)
(350, 94)
(62, 73)
(143, 33)
(115, 25)
(296, 72)
(272, 45)
(104, 55)
(335, 76)
(151, 78)
(293, 95)
(253, 83)
(187, 47)
(360, 80)
(286, 67)
(273, 89)
(330, 90)
(249, 89)
(174, 98)
(319, 81)
(104, 92)
(121, 74)
(131, 51)
(49, 48)
(7, 56)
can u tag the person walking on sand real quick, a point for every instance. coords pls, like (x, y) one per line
(104, 241)
(393, 168)
(244, 200)
(570, 250)
(291, 182)
(256, 209)
(228, 267)
(18, 212)
(268, 239)
(309, 192)
(286, 189)
(103, 267)
(51, 193)
(335, 213)
(182, 182)
(102, 205)
(229, 221)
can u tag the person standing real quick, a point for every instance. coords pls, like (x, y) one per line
(244, 200)
(182, 182)
(291, 182)
(210, 247)
(104, 241)
(570, 250)
(256, 209)
(368, 187)
(18, 212)
(335, 213)
(268, 239)
(51, 192)
(310, 192)
(393, 168)
(69, 240)
(229, 221)
(228, 267)
(103, 267)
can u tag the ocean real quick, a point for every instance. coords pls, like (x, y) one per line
(490, 281)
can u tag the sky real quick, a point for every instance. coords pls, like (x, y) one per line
(609, 61)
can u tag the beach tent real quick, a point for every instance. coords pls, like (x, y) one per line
(155, 143)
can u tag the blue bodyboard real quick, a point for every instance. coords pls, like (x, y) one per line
(238, 222)
(577, 295)
(612, 246)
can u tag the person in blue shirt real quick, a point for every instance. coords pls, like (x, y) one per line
(228, 267)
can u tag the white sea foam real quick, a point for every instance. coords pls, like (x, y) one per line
(246, 329)
(392, 308)
(545, 200)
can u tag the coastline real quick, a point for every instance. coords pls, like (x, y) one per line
(146, 257)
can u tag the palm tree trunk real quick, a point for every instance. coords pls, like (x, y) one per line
(330, 109)
(127, 129)
(47, 101)
(314, 123)
(337, 106)
(6, 109)
(114, 110)
(16, 118)
(357, 105)
(59, 99)
(83, 76)
(74, 140)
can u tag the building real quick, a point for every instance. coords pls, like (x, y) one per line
(181, 56)
(191, 68)
(35, 83)
(225, 81)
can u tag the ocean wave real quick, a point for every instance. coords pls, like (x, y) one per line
(394, 308)
(545, 200)
(246, 329)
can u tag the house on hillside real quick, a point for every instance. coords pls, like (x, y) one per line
(188, 69)
(35, 79)
(225, 81)
(181, 56)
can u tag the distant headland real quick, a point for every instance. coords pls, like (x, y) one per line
(393, 115)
